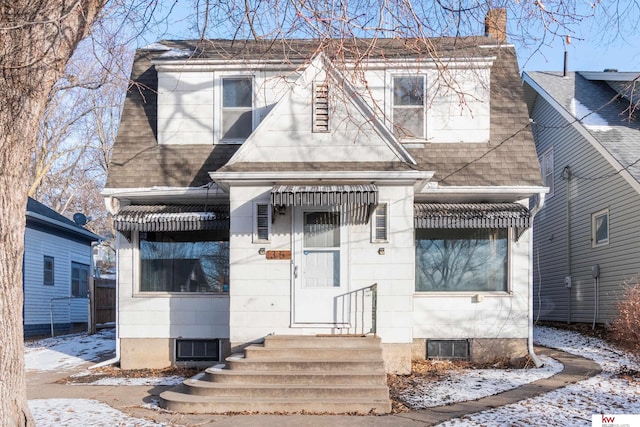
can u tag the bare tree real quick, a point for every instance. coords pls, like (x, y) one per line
(37, 38)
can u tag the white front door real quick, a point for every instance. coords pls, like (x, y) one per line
(319, 267)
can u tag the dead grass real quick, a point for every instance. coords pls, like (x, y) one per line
(116, 372)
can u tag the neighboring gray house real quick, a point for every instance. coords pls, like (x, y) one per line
(56, 269)
(587, 238)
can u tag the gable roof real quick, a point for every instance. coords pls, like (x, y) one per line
(40, 215)
(598, 104)
(509, 159)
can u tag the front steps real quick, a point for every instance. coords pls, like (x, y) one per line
(312, 374)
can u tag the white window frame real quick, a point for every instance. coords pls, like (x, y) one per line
(219, 109)
(374, 224)
(392, 106)
(547, 169)
(256, 232)
(594, 230)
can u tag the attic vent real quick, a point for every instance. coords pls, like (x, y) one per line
(321, 107)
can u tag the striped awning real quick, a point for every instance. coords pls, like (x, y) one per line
(172, 218)
(324, 195)
(471, 215)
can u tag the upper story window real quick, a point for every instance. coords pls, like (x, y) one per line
(546, 167)
(237, 107)
(409, 107)
(600, 228)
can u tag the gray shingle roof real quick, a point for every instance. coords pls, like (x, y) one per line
(604, 113)
(508, 159)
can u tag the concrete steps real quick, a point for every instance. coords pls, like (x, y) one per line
(315, 374)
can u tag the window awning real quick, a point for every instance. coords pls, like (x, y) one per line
(324, 195)
(172, 218)
(471, 215)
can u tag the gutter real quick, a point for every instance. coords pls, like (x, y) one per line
(539, 205)
(78, 230)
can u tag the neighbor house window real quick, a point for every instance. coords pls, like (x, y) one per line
(237, 103)
(600, 228)
(379, 224)
(48, 270)
(262, 222)
(546, 167)
(464, 259)
(79, 279)
(184, 261)
(409, 107)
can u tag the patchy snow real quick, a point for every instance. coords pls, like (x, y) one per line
(155, 381)
(590, 119)
(176, 54)
(573, 405)
(156, 46)
(81, 412)
(459, 386)
(69, 351)
(607, 393)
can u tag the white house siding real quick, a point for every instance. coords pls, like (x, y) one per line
(479, 315)
(150, 323)
(37, 296)
(619, 260)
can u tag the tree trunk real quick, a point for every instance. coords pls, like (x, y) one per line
(37, 38)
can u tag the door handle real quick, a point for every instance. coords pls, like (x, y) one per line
(295, 271)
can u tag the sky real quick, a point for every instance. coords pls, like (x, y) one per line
(593, 46)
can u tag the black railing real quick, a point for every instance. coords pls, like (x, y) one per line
(358, 310)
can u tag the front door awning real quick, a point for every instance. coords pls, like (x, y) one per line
(172, 218)
(325, 195)
(471, 215)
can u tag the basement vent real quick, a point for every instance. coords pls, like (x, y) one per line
(321, 107)
(197, 350)
(448, 349)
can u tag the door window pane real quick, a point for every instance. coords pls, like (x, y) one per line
(321, 229)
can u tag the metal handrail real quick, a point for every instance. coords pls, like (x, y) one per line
(354, 304)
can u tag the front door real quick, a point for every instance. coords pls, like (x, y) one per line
(319, 267)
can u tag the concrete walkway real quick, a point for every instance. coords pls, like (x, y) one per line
(129, 399)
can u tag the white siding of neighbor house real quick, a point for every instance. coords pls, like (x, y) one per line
(189, 108)
(440, 315)
(37, 295)
(619, 260)
(261, 288)
(164, 316)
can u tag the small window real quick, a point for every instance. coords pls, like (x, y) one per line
(546, 167)
(262, 222)
(379, 224)
(409, 107)
(600, 228)
(79, 279)
(48, 270)
(448, 349)
(197, 350)
(237, 104)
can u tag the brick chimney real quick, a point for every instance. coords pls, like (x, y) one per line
(495, 24)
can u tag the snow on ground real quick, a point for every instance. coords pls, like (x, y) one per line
(573, 405)
(68, 351)
(459, 386)
(81, 412)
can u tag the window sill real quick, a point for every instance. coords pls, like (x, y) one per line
(466, 294)
(179, 294)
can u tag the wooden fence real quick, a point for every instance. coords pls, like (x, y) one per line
(104, 303)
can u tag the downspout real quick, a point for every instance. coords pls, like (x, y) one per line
(567, 174)
(115, 359)
(539, 205)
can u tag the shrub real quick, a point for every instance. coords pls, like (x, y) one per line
(625, 329)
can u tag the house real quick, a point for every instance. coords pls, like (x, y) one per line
(587, 135)
(56, 269)
(317, 204)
